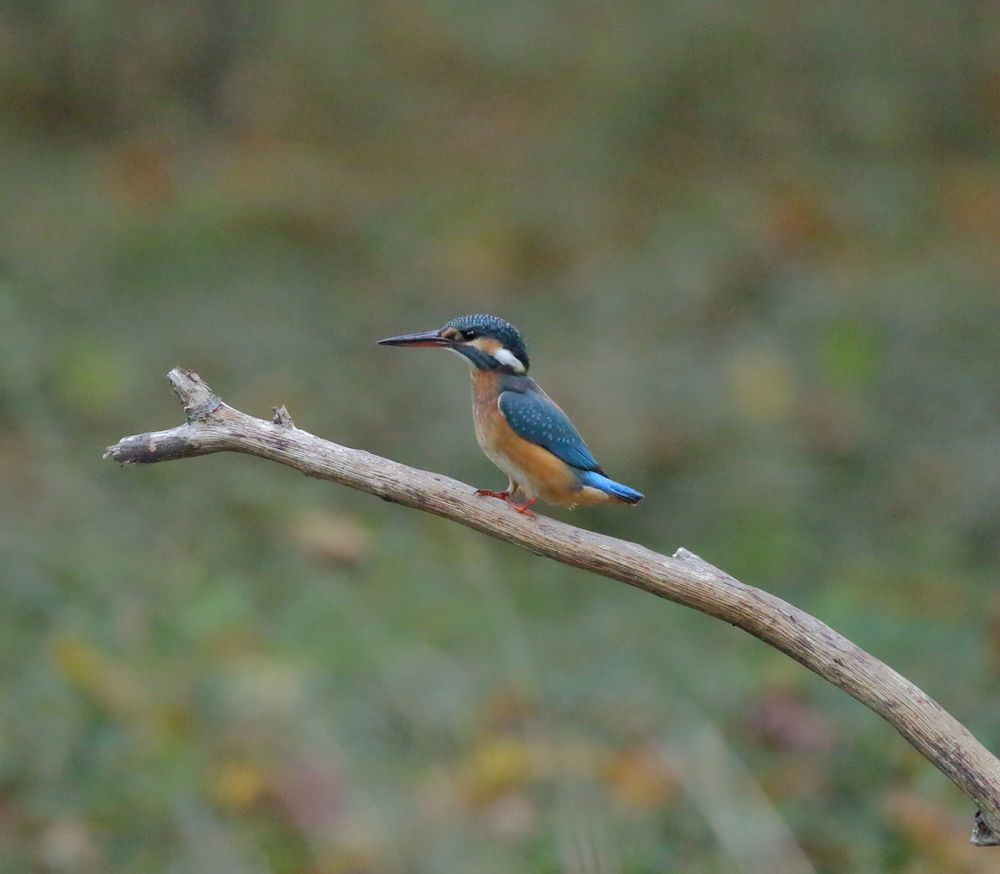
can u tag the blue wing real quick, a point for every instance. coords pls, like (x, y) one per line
(534, 416)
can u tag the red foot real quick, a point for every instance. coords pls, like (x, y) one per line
(523, 508)
(486, 493)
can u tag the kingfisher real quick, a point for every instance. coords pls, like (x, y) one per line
(519, 427)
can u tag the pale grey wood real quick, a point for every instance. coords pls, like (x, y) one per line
(213, 426)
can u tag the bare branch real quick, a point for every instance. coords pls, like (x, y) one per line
(213, 426)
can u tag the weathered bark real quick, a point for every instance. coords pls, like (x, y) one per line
(213, 426)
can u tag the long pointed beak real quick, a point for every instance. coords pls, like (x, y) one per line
(422, 338)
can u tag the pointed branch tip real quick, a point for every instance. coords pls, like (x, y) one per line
(282, 417)
(193, 392)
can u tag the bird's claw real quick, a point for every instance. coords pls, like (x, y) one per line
(505, 496)
(486, 493)
(524, 508)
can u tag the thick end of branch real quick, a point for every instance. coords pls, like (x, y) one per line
(152, 447)
(184, 442)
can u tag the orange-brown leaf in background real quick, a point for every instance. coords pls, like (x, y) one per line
(142, 174)
(798, 217)
(641, 778)
(940, 838)
(237, 785)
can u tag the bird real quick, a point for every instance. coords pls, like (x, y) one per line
(518, 426)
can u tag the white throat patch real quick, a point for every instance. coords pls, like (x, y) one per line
(508, 359)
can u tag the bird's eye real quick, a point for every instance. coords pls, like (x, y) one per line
(470, 335)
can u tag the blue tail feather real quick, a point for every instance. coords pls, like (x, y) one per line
(610, 487)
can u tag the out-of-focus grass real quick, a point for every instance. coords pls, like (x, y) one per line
(754, 255)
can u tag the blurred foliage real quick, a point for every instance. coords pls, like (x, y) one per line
(754, 249)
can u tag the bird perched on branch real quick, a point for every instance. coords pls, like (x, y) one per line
(519, 427)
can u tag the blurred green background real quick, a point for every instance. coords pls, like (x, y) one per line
(754, 250)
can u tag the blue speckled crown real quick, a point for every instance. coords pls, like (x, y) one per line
(494, 326)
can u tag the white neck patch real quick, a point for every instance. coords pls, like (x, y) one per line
(508, 359)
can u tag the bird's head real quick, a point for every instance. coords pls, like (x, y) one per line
(488, 342)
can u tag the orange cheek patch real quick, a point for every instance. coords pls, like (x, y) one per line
(489, 345)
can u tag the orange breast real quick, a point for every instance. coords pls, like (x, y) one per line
(537, 471)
